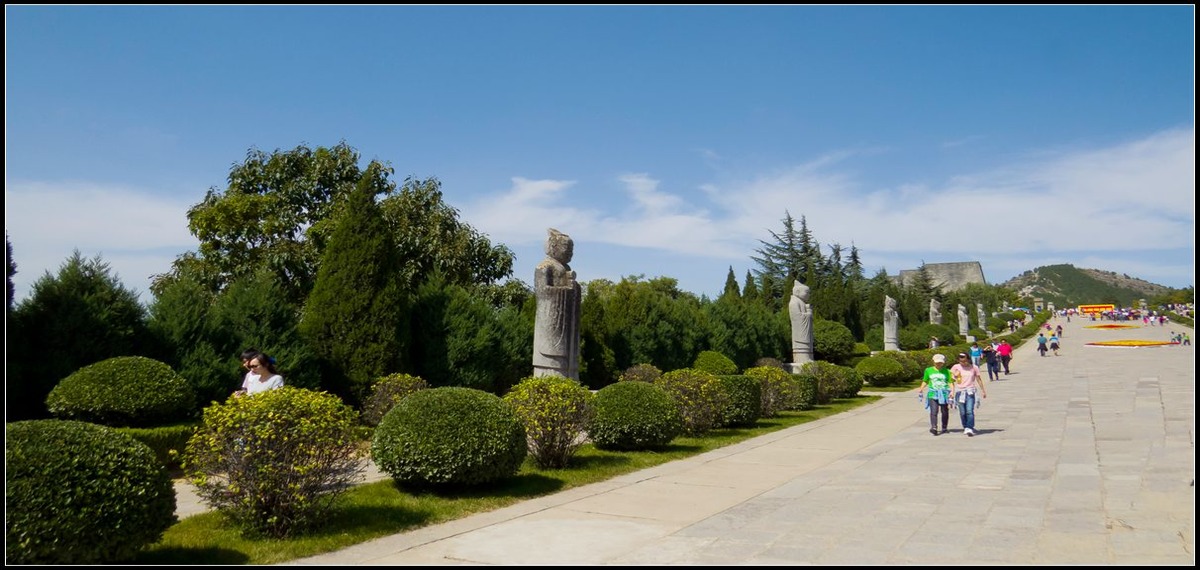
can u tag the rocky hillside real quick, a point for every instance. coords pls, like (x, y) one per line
(1067, 285)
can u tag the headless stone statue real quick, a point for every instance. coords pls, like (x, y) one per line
(802, 326)
(964, 327)
(556, 324)
(891, 324)
(935, 311)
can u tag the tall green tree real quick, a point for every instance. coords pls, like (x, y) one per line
(353, 318)
(80, 316)
(731, 285)
(279, 211)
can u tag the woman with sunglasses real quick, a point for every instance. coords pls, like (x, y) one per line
(967, 381)
(262, 376)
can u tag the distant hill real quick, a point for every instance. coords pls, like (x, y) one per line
(1069, 286)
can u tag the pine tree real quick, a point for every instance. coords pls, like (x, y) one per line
(731, 286)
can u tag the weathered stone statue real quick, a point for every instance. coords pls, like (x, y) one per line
(802, 327)
(556, 323)
(963, 326)
(935, 312)
(981, 316)
(891, 324)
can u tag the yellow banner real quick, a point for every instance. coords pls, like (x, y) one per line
(1096, 308)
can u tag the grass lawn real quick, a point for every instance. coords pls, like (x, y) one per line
(382, 508)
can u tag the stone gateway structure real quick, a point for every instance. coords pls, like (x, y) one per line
(947, 277)
(556, 324)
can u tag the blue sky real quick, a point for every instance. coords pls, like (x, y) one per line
(666, 140)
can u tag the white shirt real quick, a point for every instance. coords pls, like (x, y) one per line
(258, 384)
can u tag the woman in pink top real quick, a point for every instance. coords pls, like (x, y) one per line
(967, 381)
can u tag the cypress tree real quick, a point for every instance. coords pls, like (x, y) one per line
(352, 319)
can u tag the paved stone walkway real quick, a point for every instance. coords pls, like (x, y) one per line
(1087, 458)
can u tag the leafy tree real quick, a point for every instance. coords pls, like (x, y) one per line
(353, 318)
(653, 322)
(80, 316)
(744, 330)
(280, 210)
(598, 362)
(431, 238)
(749, 289)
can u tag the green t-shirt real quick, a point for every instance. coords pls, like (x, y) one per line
(936, 380)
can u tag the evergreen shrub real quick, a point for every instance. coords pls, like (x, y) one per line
(745, 400)
(832, 380)
(700, 396)
(81, 493)
(167, 442)
(832, 341)
(880, 371)
(386, 392)
(640, 373)
(779, 389)
(769, 361)
(275, 462)
(450, 435)
(556, 412)
(124, 391)
(715, 363)
(632, 416)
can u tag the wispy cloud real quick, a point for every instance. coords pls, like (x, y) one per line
(1094, 206)
(1129, 207)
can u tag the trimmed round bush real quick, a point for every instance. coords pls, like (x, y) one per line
(640, 373)
(556, 412)
(125, 391)
(633, 416)
(833, 381)
(715, 363)
(387, 392)
(700, 396)
(81, 493)
(832, 341)
(880, 371)
(274, 462)
(450, 436)
(745, 400)
(780, 390)
(769, 361)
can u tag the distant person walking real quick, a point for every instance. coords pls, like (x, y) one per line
(1041, 340)
(1058, 331)
(1005, 352)
(936, 391)
(976, 353)
(967, 385)
(1054, 344)
(993, 362)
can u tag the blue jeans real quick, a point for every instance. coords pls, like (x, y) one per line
(966, 410)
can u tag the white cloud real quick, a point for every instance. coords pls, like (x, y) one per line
(1074, 207)
(135, 231)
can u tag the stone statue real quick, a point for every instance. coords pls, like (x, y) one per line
(556, 324)
(891, 324)
(802, 327)
(963, 325)
(981, 315)
(935, 312)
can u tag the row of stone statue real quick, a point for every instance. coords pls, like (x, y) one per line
(556, 325)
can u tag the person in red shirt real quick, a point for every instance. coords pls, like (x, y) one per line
(1005, 352)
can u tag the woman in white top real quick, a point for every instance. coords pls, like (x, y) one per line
(264, 376)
